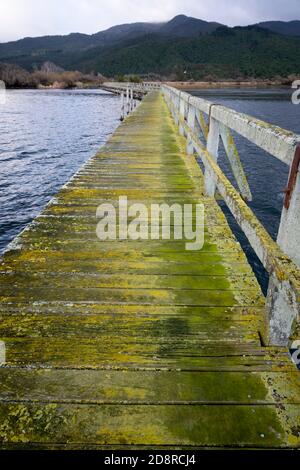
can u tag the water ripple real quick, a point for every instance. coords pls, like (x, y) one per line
(45, 136)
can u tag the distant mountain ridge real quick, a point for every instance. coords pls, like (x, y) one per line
(287, 28)
(186, 26)
(181, 43)
(179, 26)
(32, 52)
(127, 31)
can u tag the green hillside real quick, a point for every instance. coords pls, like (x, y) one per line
(218, 51)
(226, 53)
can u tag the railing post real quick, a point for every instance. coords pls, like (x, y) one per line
(235, 162)
(131, 99)
(282, 311)
(282, 308)
(175, 100)
(213, 149)
(122, 106)
(181, 114)
(191, 121)
(289, 230)
(127, 100)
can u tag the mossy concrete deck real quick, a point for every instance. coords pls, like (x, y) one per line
(137, 344)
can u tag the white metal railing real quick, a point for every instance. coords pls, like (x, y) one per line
(204, 123)
(137, 87)
(129, 92)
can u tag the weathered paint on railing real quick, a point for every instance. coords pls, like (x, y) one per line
(128, 102)
(289, 230)
(130, 93)
(283, 299)
(142, 88)
(278, 142)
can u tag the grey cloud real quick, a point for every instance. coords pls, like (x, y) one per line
(20, 18)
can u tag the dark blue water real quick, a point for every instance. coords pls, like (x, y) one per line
(45, 136)
(267, 176)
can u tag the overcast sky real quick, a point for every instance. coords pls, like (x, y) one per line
(20, 18)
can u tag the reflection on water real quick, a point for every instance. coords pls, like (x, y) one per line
(45, 136)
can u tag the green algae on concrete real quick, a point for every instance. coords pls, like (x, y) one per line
(112, 344)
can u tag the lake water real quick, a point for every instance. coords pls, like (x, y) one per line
(45, 136)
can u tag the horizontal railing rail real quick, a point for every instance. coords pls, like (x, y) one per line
(144, 87)
(204, 124)
(130, 92)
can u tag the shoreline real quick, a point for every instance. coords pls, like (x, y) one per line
(199, 85)
(229, 84)
(53, 88)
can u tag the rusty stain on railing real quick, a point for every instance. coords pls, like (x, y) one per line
(292, 178)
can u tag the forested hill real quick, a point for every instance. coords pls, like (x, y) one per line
(225, 53)
(183, 48)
